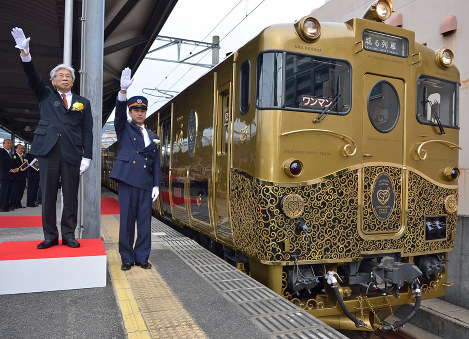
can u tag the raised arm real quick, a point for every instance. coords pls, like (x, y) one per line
(34, 79)
(121, 107)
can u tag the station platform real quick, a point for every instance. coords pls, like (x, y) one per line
(188, 293)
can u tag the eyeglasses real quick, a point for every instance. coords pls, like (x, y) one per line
(61, 75)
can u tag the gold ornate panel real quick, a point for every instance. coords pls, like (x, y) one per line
(372, 223)
(263, 231)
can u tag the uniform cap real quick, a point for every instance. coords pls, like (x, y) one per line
(137, 102)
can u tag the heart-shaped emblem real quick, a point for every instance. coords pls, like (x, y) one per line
(383, 196)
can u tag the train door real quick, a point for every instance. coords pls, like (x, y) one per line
(221, 175)
(383, 183)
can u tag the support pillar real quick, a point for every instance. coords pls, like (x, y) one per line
(92, 88)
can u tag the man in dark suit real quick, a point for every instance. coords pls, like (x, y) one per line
(32, 174)
(19, 178)
(137, 170)
(62, 142)
(6, 174)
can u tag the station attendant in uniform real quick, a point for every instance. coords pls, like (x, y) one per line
(137, 170)
(62, 142)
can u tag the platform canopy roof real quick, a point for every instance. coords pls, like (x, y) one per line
(130, 27)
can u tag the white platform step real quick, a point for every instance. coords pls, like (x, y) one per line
(26, 269)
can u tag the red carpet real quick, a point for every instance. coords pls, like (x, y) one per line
(109, 206)
(21, 250)
(29, 221)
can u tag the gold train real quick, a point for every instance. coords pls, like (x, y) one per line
(322, 159)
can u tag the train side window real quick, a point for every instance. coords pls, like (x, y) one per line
(244, 87)
(437, 102)
(223, 121)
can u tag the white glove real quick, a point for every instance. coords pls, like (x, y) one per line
(85, 163)
(126, 78)
(154, 193)
(20, 39)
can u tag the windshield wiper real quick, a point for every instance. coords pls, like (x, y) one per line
(335, 101)
(435, 109)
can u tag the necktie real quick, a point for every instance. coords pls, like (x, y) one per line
(65, 100)
(141, 131)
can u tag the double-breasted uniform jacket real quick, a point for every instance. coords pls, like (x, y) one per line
(72, 127)
(6, 164)
(136, 165)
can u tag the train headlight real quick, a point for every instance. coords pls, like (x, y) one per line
(379, 11)
(292, 167)
(293, 205)
(451, 174)
(444, 58)
(308, 28)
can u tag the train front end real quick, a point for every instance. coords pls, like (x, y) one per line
(348, 206)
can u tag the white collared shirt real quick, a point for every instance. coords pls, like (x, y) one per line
(146, 137)
(68, 96)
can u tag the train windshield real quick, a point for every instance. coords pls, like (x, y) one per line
(303, 82)
(437, 102)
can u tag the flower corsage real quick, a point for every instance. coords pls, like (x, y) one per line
(157, 142)
(77, 106)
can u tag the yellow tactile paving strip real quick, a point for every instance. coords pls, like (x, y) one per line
(148, 306)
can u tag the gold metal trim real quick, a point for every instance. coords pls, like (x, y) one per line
(293, 205)
(359, 46)
(451, 203)
(422, 153)
(243, 135)
(346, 149)
(416, 58)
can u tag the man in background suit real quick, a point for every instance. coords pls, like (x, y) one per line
(62, 142)
(32, 174)
(6, 173)
(19, 178)
(137, 170)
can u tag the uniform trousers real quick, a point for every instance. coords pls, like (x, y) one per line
(135, 205)
(54, 169)
(16, 193)
(31, 193)
(5, 187)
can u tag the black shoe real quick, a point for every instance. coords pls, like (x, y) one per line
(12, 209)
(4, 210)
(47, 243)
(126, 266)
(31, 205)
(145, 264)
(71, 243)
